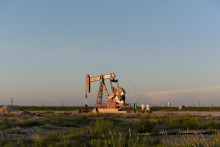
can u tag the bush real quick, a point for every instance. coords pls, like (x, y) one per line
(49, 139)
(4, 124)
(14, 130)
(77, 133)
(145, 126)
(29, 123)
(66, 122)
(201, 141)
(101, 126)
(192, 122)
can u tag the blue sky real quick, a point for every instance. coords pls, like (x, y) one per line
(169, 49)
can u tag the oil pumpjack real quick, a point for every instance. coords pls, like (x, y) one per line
(116, 100)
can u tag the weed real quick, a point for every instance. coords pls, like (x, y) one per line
(28, 123)
(200, 141)
(4, 124)
(145, 126)
(14, 130)
(49, 139)
(66, 122)
(101, 126)
(191, 122)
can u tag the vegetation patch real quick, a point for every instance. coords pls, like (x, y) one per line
(145, 126)
(67, 129)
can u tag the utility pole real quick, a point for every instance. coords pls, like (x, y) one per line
(62, 103)
(12, 101)
(135, 99)
(135, 94)
(86, 105)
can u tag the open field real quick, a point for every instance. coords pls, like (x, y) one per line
(76, 108)
(46, 128)
(200, 113)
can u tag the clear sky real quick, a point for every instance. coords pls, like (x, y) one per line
(169, 49)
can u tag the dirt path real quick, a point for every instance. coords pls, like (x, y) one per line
(201, 113)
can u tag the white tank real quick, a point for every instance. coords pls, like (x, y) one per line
(142, 107)
(148, 107)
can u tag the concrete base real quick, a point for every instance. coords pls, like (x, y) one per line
(108, 110)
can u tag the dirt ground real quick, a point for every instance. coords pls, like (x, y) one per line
(16, 133)
(201, 113)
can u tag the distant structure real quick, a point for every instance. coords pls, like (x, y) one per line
(181, 107)
(12, 101)
(135, 94)
(169, 104)
(142, 107)
(135, 107)
(148, 107)
(116, 101)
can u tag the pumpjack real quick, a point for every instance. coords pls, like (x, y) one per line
(116, 100)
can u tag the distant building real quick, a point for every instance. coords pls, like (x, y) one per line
(181, 107)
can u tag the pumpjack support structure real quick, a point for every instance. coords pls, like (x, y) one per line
(116, 100)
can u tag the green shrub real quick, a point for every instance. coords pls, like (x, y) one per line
(66, 122)
(77, 134)
(4, 124)
(23, 142)
(14, 130)
(29, 123)
(101, 126)
(213, 123)
(196, 141)
(117, 139)
(47, 126)
(192, 122)
(145, 126)
(50, 139)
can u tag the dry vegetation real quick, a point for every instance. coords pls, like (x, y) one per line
(73, 129)
(74, 108)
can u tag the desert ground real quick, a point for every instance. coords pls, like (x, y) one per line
(71, 128)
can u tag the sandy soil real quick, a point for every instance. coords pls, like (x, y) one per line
(201, 113)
